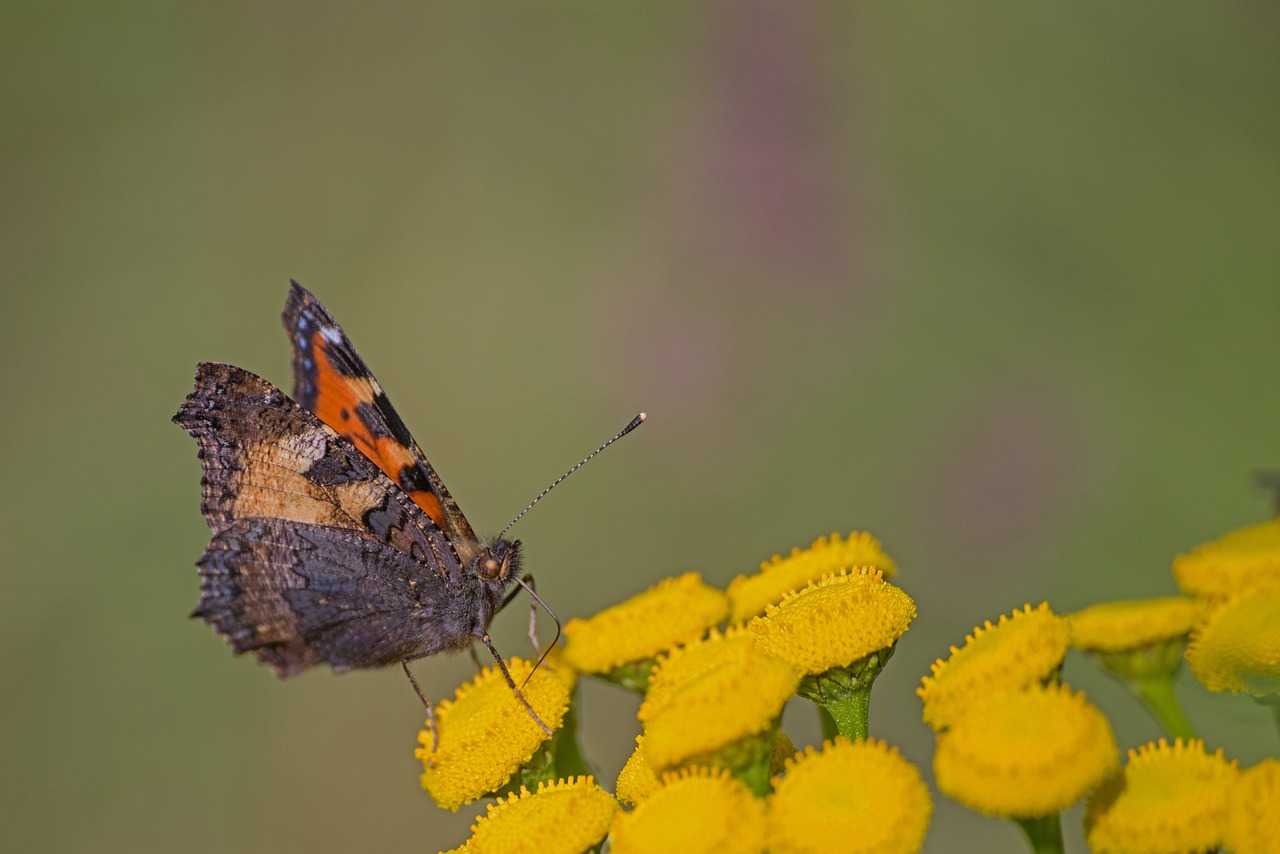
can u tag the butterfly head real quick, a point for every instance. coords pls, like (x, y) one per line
(498, 560)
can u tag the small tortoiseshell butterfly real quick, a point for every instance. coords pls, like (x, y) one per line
(334, 540)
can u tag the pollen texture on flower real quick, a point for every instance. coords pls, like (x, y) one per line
(637, 780)
(857, 797)
(1234, 561)
(1025, 753)
(751, 594)
(710, 694)
(566, 817)
(486, 734)
(1253, 822)
(835, 621)
(1166, 800)
(697, 811)
(1118, 626)
(1021, 650)
(674, 611)
(1237, 647)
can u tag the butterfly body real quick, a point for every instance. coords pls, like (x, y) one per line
(333, 539)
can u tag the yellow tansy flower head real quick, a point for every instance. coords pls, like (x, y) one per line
(674, 611)
(1237, 648)
(698, 811)
(1117, 626)
(637, 779)
(1232, 562)
(1166, 800)
(486, 733)
(710, 694)
(567, 817)
(1025, 753)
(1021, 650)
(835, 622)
(859, 797)
(751, 594)
(1253, 821)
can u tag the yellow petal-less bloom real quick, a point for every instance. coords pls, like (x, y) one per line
(1253, 821)
(1232, 562)
(835, 621)
(751, 594)
(1116, 626)
(858, 797)
(674, 611)
(710, 694)
(697, 811)
(566, 817)
(1027, 753)
(486, 734)
(636, 780)
(1166, 800)
(1021, 650)
(1237, 648)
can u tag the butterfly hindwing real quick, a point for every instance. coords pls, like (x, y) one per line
(298, 594)
(332, 381)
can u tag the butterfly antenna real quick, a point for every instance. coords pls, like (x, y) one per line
(635, 422)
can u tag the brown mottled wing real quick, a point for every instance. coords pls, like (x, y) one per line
(289, 499)
(298, 595)
(331, 380)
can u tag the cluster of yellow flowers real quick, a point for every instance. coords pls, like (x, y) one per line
(713, 772)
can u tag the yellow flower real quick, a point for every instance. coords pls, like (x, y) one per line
(1116, 626)
(1253, 822)
(750, 594)
(1166, 800)
(1019, 651)
(710, 694)
(1025, 753)
(1232, 562)
(566, 817)
(1237, 648)
(835, 621)
(675, 611)
(486, 734)
(637, 779)
(853, 796)
(698, 811)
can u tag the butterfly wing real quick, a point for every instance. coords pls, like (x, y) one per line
(316, 554)
(332, 381)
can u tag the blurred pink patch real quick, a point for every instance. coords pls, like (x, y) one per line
(1006, 475)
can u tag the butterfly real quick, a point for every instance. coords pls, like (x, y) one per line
(334, 540)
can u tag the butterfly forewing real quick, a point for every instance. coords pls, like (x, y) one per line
(332, 381)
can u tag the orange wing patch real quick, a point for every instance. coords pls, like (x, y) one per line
(349, 405)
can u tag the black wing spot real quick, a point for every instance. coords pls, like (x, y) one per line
(413, 478)
(370, 416)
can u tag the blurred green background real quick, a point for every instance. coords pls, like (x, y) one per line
(997, 282)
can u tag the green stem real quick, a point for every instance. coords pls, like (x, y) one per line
(1158, 695)
(851, 713)
(1044, 833)
(1275, 712)
(828, 723)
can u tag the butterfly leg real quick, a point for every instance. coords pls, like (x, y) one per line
(502, 665)
(431, 709)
